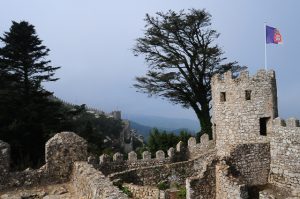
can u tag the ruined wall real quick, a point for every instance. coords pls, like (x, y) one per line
(227, 187)
(203, 185)
(62, 150)
(239, 104)
(174, 172)
(89, 183)
(109, 165)
(143, 192)
(4, 160)
(118, 164)
(196, 149)
(285, 154)
(250, 163)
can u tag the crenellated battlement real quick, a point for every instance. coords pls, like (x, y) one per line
(290, 123)
(117, 162)
(227, 77)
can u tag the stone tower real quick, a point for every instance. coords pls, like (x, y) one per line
(116, 115)
(243, 108)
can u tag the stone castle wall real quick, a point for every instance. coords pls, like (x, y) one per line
(4, 160)
(62, 151)
(227, 186)
(285, 154)
(143, 192)
(90, 183)
(117, 163)
(250, 163)
(173, 172)
(238, 106)
(203, 185)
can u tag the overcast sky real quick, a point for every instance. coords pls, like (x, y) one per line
(92, 41)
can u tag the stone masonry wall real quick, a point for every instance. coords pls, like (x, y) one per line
(174, 172)
(238, 106)
(197, 149)
(89, 183)
(250, 163)
(285, 154)
(181, 153)
(4, 160)
(143, 192)
(227, 187)
(62, 151)
(203, 185)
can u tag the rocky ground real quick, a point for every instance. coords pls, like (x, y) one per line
(59, 191)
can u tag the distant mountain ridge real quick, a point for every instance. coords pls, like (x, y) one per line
(164, 122)
(143, 124)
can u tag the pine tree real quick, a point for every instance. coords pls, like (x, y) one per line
(26, 113)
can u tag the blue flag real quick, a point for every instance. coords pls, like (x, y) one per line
(273, 35)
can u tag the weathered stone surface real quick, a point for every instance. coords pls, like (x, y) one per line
(146, 155)
(179, 146)
(192, 142)
(4, 160)
(237, 119)
(227, 187)
(160, 155)
(132, 156)
(250, 163)
(285, 155)
(152, 175)
(145, 192)
(104, 158)
(118, 157)
(91, 183)
(171, 152)
(62, 151)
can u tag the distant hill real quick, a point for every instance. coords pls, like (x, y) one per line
(143, 124)
(141, 129)
(164, 122)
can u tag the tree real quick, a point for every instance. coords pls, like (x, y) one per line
(182, 56)
(27, 115)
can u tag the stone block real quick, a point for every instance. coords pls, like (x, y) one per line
(292, 122)
(4, 158)
(192, 142)
(62, 151)
(204, 139)
(160, 155)
(146, 155)
(118, 157)
(179, 146)
(171, 152)
(104, 158)
(132, 156)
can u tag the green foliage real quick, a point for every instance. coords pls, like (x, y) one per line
(181, 194)
(182, 56)
(26, 113)
(126, 191)
(163, 141)
(163, 186)
(29, 114)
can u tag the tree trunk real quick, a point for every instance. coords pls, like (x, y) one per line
(204, 119)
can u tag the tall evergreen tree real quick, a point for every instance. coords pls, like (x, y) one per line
(27, 115)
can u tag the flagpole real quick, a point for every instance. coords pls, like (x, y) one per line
(265, 27)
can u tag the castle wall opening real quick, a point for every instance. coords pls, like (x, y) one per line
(263, 125)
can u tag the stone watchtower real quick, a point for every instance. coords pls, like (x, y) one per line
(243, 108)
